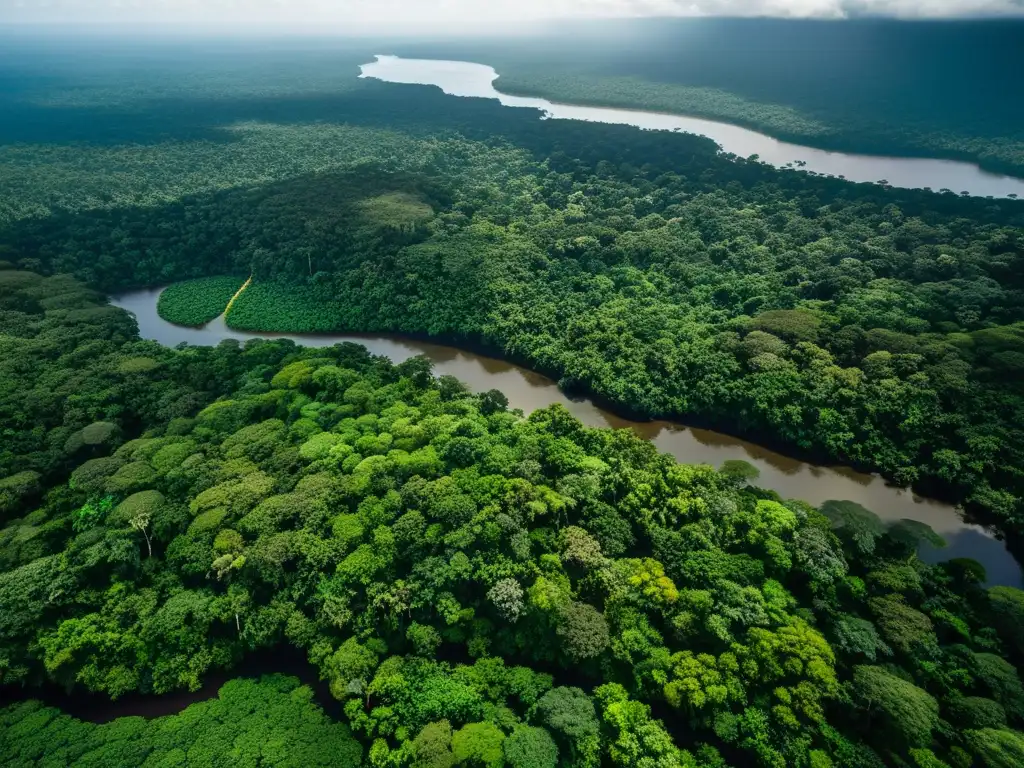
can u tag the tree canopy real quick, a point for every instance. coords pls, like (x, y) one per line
(476, 586)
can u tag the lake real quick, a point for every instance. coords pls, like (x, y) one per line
(461, 78)
(529, 390)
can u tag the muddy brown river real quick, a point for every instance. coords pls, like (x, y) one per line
(529, 390)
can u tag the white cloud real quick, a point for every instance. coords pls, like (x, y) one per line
(341, 15)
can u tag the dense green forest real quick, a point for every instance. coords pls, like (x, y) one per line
(272, 722)
(195, 302)
(481, 587)
(856, 324)
(478, 587)
(854, 85)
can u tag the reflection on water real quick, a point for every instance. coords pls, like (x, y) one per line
(529, 391)
(460, 78)
(972, 541)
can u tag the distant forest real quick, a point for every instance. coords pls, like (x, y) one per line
(886, 87)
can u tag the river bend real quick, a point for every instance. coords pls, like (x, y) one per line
(461, 78)
(529, 391)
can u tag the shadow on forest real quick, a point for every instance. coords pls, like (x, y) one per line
(175, 243)
(779, 62)
(240, 230)
(99, 708)
(421, 109)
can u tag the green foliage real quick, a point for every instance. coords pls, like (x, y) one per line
(794, 325)
(272, 722)
(130, 478)
(97, 434)
(424, 638)
(1000, 680)
(636, 739)
(818, 554)
(478, 744)
(997, 748)
(902, 710)
(974, 712)
(583, 630)
(507, 597)
(431, 523)
(15, 488)
(855, 637)
(148, 503)
(92, 513)
(351, 668)
(197, 302)
(397, 210)
(432, 746)
(266, 306)
(904, 628)
(1007, 606)
(529, 747)
(859, 525)
(741, 471)
(571, 715)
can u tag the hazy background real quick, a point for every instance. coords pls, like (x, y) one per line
(375, 16)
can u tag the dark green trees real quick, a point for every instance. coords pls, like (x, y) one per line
(476, 587)
(272, 722)
(196, 302)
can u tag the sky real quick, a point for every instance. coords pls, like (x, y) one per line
(388, 15)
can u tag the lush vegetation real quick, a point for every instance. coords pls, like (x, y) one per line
(270, 722)
(273, 306)
(196, 302)
(857, 324)
(481, 587)
(478, 587)
(854, 86)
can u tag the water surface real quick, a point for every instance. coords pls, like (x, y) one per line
(461, 78)
(529, 391)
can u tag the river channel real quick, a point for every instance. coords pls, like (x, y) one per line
(461, 78)
(529, 390)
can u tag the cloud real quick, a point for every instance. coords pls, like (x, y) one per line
(353, 15)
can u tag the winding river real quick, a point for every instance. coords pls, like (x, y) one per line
(460, 78)
(529, 390)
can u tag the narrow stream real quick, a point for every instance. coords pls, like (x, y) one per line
(99, 708)
(529, 391)
(461, 78)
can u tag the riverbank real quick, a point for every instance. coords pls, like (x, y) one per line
(468, 79)
(771, 456)
(826, 139)
(483, 367)
(99, 708)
